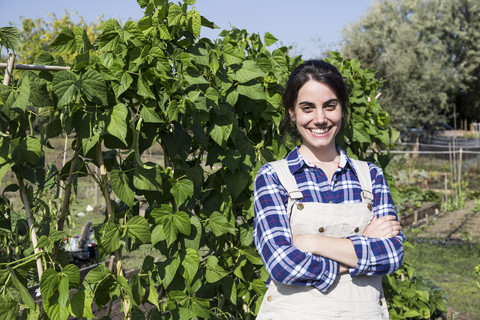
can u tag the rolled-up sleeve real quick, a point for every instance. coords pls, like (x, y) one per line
(378, 256)
(273, 240)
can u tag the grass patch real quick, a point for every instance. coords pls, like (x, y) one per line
(451, 267)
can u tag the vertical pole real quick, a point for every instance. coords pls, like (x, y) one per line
(23, 190)
(460, 171)
(9, 70)
(446, 193)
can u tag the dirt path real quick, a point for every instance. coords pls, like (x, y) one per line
(461, 224)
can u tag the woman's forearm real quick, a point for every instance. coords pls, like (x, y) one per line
(338, 249)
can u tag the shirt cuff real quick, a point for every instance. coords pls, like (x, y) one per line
(364, 253)
(328, 276)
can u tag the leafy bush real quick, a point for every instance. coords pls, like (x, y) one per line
(411, 296)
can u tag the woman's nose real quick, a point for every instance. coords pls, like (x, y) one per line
(320, 116)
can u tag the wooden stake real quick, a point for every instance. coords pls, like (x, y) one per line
(446, 193)
(460, 171)
(9, 69)
(31, 226)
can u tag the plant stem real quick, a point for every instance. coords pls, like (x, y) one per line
(66, 199)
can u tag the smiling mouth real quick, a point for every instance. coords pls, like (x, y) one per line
(322, 131)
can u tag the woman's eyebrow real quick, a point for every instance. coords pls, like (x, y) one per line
(306, 103)
(331, 101)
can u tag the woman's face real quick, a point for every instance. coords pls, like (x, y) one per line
(318, 116)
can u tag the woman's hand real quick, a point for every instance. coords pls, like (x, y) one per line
(304, 242)
(383, 227)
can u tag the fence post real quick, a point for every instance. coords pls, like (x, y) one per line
(446, 193)
(460, 153)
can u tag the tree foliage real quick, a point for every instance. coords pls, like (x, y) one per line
(36, 35)
(214, 108)
(427, 52)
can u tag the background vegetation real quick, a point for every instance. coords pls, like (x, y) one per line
(428, 54)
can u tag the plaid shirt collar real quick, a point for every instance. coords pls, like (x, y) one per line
(296, 162)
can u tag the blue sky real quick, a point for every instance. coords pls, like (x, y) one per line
(303, 23)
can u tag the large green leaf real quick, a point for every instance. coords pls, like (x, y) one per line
(181, 220)
(248, 71)
(65, 41)
(63, 292)
(182, 190)
(82, 43)
(194, 22)
(219, 224)
(193, 240)
(148, 114)
(148, 178)
(232, 55)
(81, 304)
(255, 91)
(54, 309)
(117, 125)
(29, 150)
(190, 262)
(138, 228)
(214, 271)
(119, 183)
(94, 86)
(221, 133)
(49, 283)
(9, 38)
(110, 37)
(269, 39)
(168, 270)
(73, 274)
(65, 87)
(175, 15)
(170, 230)
(125, 82)
(108, 237)
(144, 89)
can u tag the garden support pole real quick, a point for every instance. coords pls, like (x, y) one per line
(9, 69)
(23, 190)
(31, 226)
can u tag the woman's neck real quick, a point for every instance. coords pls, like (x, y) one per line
(319, 156)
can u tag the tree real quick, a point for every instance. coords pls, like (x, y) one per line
(35, 36)
(428, 54)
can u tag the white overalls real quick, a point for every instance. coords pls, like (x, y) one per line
(348, 298)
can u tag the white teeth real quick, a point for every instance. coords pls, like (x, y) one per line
(319, 131)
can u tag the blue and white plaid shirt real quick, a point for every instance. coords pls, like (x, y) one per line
(287, 264)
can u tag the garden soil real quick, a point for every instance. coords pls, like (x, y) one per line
(459, 225)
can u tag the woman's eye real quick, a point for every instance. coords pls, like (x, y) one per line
(331, 107)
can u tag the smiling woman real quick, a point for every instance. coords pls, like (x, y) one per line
(325, 224)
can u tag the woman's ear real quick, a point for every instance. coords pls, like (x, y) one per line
(292, 114)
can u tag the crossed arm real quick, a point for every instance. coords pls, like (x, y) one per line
(342, 250)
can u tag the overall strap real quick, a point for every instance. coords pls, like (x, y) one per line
(363, 173)
(287, 179)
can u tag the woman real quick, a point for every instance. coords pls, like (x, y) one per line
(325, 224)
